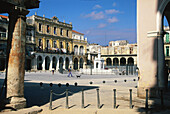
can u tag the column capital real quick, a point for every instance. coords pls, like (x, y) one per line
(20, 11)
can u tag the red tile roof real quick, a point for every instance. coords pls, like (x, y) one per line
(3, 16)
(77, 32)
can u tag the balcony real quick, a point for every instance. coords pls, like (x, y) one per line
(53, 51)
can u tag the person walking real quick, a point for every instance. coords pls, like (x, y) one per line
(69, 70)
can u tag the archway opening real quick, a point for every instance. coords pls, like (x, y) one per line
(61, 63)
(115, 61)
(67, 63)
(108, 62)
(81, 63)
(54, 63)
(130, 61)
(123, 61)
(39, 63)
(75, 64)
(47, 63)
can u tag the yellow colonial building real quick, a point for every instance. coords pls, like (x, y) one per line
(80, 50)
(54, 44)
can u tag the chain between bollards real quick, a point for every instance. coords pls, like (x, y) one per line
(82, 106)
(51, 95)
(66, 98)
(114, 98)
(146, 103)
(130, 98)
(98, 99)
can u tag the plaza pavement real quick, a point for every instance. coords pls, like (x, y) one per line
(39, 96)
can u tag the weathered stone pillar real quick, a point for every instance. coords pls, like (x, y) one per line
(16, 61)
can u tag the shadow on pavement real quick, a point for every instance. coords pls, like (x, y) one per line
(39, 96)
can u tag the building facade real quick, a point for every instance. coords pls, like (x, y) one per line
(121, 53)
(80, 50)
(167, 46)
(49, 44)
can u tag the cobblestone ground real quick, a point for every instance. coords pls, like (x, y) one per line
(39, 96)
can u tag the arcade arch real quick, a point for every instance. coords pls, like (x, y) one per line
(130, 61)
(61, 63)
(122, 61)
(108, 62)
(81, 62)
(115, 61)
(67, 63)
(75, 64)
(39, 63)
(47, 63)
(54, 63)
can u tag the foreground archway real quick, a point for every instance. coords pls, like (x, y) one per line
(150, 45)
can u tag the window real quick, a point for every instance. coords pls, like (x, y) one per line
(47, 44)
(167, 38)
(61, 44)
(40, 27)
(167, 50)
(61, 31)
(48, 28)
(40, 43)
(67, 33)
(67, 47)
(55, 30)
(54, 44)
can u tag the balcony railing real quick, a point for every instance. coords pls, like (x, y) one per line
(57, 51)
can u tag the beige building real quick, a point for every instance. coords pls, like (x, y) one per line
(120, 53)
(80, 50)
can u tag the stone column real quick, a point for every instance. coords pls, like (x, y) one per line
(57, 64)
(43, 64)
(51, 64)
(64, 63)
(161, 61)
(16, 60)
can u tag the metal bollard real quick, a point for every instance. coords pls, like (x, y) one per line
(66, 98)
(162, 100)
(130, 98)
(98, 99)
(82, 105)
(114, 98)
(51, 95)
(146, 103)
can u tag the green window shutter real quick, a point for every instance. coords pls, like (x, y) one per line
(167, 38)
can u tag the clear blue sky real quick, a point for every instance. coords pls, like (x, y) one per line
(100, 20)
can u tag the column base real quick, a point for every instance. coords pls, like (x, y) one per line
(17, 102)
(152, 92)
